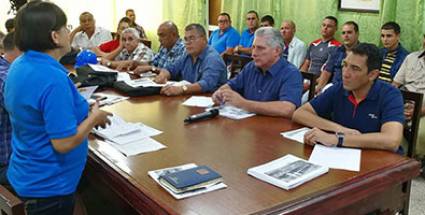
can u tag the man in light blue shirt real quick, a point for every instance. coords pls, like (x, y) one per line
(202, 66)
(225, 38)
(247, 38)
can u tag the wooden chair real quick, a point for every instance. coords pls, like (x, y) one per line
(312, 78)
(147, 43)
(9, 203)
(237, 62)
(411, 129)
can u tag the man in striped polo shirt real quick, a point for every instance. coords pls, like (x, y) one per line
(393, 53)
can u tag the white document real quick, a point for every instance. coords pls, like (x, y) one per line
(155, 174)
(233, 112)
(297, 135)
(108, 99)
(139, 146)
(121, 132)
(288, 171)
(143, 82)
(199, 101)
(87, 92)
(101, 68)
(336, 158)
(123, 76)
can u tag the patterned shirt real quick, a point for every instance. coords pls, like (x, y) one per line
(140, 53)
(391, 62)
(167, 57)
(5, 127)
(388, 61)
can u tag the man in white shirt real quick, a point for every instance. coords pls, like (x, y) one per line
(295, 49)
(87, 35)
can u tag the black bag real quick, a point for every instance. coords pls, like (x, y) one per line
(89, 77)
(136, 91)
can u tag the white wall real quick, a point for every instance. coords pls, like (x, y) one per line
(107, 13)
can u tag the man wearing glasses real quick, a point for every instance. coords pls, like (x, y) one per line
(225, 38)
(202, 66)
(247, 38)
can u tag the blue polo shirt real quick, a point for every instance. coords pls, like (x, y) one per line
(208, 71)
(43, 104)
(247, 38)
(384, 103)
(334, 64)
(229, 39)
(282, 82)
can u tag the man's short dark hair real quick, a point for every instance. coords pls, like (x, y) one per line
(225, 14)
(128, 11)
(35, 22)
(9, 24)
(9, 41)
(254, 12)
(268, 18)
(125, 19)
(372, 53)
(354, 24)
(391, 26)
(333, 19)
(197, 27)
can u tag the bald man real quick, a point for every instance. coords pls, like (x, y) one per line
(295, 49)
(172, 48)
(87, 35)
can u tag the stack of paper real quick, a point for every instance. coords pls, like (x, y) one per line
(157, 174)
(287, 172)
(129, 138)
(297, 135)
(199, 101)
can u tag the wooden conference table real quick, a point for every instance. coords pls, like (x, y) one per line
(231, 147)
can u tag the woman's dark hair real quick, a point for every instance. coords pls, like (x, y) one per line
(34, 24)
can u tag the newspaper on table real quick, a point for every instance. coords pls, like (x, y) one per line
(287, 172)
(155, 174)
(232, 112)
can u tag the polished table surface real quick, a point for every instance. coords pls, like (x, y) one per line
(231, 147)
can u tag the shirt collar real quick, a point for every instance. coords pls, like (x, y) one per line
(373, 92)
(276, 68)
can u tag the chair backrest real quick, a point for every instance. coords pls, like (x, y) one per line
(147, 43)
(411, 127)
(9, 203)
(237, 62)
(312, 78)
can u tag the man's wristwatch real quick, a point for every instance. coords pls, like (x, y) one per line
(108, 64)
(340, 136)
(184, 88)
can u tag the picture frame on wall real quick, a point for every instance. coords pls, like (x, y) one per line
(369, 6)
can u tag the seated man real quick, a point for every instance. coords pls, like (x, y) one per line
(393, 52)
(321, 49)
(247, 38)
(11, 53)
(172, 48)
(267, 21)
(350, 37)
(295, 49)
(268, 85)
(225, 38)
(130, 49)
(411, 77)
(87, 35)
(10, 25)
(360, 111)
(202, 66)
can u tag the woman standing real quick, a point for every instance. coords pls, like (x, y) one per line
(50, 119)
